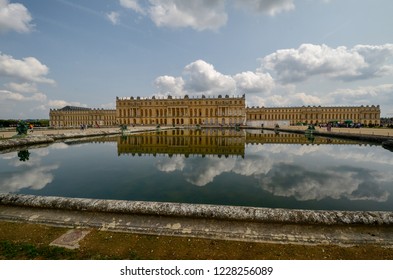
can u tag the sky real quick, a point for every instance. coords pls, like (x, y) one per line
(278, 53)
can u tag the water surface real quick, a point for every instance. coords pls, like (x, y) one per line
(224, 167)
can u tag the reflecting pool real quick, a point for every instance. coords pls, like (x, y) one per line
(223, 167)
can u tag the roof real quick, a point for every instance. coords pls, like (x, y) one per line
(74, 108)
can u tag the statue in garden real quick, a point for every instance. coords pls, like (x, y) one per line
(21, 128)
(123, 128)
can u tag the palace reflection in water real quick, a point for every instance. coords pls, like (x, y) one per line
(214, 142)
(185, 142)
(212, 166)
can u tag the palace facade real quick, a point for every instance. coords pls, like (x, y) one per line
(72, 116)
(181, 111)
(208, 111)
(365, 115)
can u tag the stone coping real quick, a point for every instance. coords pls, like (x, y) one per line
(44, 139)
(29, 140)
(6, 144)
(239, 213)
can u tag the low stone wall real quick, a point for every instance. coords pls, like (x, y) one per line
(266, 215)
(44, 139)
(26, 141)
(29, 140)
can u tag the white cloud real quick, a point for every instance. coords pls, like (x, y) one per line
(379, 59)
(277, 81)
(14, 17)
(199, 15)
(169, 85)
(360, 62)
(21, 98)
(113, 17)
(270, 7)
(8, 95)
(255, 100)
(201, 76)
(198, 77)
(63, 103)
(306, 99)
(18, 105)
(22, 87)
(44, 107)
(14, 96)
(369, 91)
(285, 99)
(252, 82)
(132, 4)
(276, 100)
(364, 95)
(28, 69)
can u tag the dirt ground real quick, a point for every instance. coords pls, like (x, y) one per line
(19, 240)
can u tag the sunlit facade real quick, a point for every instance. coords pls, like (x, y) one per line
(364, 115)
(72, 116)
(209, 111)
(181, 111)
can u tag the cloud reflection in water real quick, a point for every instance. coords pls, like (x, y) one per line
(299, 171)
(32, 173)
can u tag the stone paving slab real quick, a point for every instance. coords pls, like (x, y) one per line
(70, 239)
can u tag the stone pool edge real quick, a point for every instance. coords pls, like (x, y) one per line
(204, 211)
(9, 144)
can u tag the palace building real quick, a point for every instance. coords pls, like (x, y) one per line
(181, 111)
(72, 116)
(365, 115)
(209, 111)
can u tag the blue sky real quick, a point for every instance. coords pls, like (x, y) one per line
(279, 53)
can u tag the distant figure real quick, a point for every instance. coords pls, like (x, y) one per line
(31, 127)
(329, 127)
